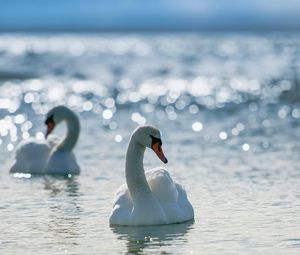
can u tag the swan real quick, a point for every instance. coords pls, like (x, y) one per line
(50, 156)
(151, 197)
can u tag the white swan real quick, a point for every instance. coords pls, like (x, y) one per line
(152, 197)
(50, 157)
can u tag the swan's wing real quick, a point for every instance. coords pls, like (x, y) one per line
(30, 157)
(162, 185)
(122, 207)
(122, 197)
(184, 204)
(172, 196)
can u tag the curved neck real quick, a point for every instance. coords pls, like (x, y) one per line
(135, 174)
(73, 128)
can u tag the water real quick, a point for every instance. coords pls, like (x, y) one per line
(229, 109)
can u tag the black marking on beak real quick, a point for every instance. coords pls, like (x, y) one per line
(50, 125)
(49, 120)
(155, 140)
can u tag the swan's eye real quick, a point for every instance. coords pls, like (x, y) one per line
(155, 140)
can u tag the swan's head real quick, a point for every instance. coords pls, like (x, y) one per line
(55, 116)
(149, 136)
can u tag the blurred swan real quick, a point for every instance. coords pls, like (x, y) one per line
(50, 156)
(31, 155)
(152, 197)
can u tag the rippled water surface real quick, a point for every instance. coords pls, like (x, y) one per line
(228, 106)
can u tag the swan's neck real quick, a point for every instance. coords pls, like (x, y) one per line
(73, 129)
(135, 174)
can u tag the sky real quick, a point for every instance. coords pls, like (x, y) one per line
(148, 14)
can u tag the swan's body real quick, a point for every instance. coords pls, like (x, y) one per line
(31, 156)
(152, 197)
(50, 157)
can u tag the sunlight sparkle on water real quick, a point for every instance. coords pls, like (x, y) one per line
(296, 113)
(56, 93)
(28, 98)
(39, 136)
(19, 118)
(240, 127)
(223, 135)
(25, 135)
(13, 138)
(87, 106)
(138, 118)
(6, 124)
(22, 175)
(197, 126)
(109, 102)
(107, 114)
(26, 126)
(283, 112)
(113, 125)
(246, 147)
(118, 138)
(235, 131)
(10, 147)
(193, 109)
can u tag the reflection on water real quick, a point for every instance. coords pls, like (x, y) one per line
(64, 214)
(139, 239)
(58, 184)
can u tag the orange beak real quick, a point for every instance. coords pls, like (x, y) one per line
(50, 127)
(159, 152)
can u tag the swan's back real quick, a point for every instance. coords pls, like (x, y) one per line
(31, 157)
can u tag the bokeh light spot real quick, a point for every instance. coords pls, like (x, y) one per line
(107, 114)
(39, 136)
(223, 135)
(197, 126)
(118, 138)
(246, 147)
(10, 146)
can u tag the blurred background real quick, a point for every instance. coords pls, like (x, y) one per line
(219, 78)
(156, 15)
